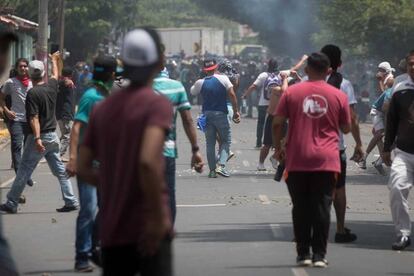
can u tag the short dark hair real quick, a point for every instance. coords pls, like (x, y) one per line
(334, 54)
(272, 65)
(67, 72)
(104, 68)
(16, 65)
(410, 54)
(319, 62)
(140, 75)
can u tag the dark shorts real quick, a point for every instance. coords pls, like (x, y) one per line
(268, 131)
(342, 177)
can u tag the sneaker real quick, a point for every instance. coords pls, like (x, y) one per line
(212, 174)
(362, 164)
(401, 243)
(261, 167)
(347, 237)
(378, 166)
(319, 261)
(274, 162)
(4, 208)
(83, 267)
(66, 209)
(231, 155)
(304, 260)
(222, 171)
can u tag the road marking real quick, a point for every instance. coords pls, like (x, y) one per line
(299, 272)
(200, 205)
(253, 179)
(276, 230)
(264, 199)
(7, 182)
(246, 163)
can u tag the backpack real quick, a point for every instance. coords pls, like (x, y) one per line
(273, 79)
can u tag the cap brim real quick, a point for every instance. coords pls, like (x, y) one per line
(211, 68)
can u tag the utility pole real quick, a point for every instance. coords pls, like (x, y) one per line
(61, 26)
(42, 35)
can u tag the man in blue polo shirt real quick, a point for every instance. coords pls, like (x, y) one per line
(215, 90)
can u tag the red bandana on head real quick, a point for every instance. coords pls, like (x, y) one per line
(25, 80)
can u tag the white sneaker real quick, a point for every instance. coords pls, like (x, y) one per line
(274, 162)
(261, 167)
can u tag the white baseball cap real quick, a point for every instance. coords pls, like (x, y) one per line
(139, 49)
(386, 66)
(36, 69)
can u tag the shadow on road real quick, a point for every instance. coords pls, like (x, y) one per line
(377, 235)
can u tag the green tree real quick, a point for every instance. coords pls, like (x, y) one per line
(373, 28)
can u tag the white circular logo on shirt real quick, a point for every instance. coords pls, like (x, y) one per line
(315, 106)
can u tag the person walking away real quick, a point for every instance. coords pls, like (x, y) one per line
(316, 111)
(17, 88)
(335, 78)
(42, 140)
(400, 131)
(65, 109)
(176, 94)
(215, 89)
(86, 245)
(130, 178)
(385, 81)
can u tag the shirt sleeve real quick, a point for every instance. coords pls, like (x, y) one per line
(161, 114)
(347, 87)
(196, 88)
(183, 103)
(345, 114)
(84, 109)
(282, 106)
(225, 81)
(391, 124)
(32, 107)
(54, 84)
(260, 79)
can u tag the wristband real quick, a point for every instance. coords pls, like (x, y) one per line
(195, 149)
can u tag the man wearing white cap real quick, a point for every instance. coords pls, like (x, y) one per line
(385, 79)
(134, 220)
(42, 140)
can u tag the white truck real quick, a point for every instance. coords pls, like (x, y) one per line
(193, 41)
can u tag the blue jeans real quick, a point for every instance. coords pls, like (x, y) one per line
(18, 135)
(85, 222)
(31, 158)
(262, 110)
(170, 179)
(217, 123)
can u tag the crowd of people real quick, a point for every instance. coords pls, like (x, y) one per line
(125, 174)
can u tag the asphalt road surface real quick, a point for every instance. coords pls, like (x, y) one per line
(235, 226)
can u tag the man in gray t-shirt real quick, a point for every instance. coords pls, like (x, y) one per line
(16, 88)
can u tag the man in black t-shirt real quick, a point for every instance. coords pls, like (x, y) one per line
(42, 140)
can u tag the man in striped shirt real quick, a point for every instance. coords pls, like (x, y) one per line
(176, 94)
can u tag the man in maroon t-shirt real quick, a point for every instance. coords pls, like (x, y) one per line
(126, 134)
(316, 112)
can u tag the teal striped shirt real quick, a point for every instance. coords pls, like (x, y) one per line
(176, 94)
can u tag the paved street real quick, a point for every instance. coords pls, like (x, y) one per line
(236, 226)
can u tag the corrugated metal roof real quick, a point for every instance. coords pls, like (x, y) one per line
(18, 23)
